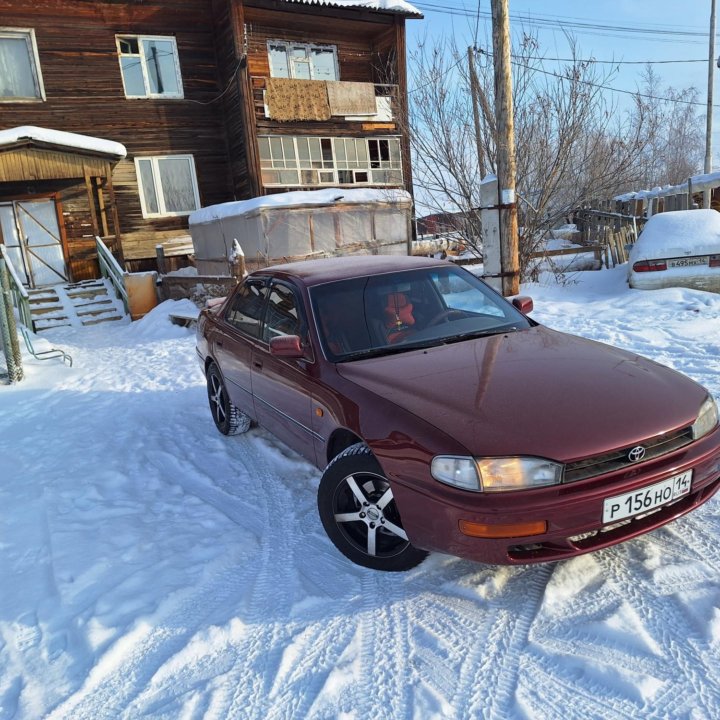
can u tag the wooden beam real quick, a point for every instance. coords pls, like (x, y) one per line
(101, 204)
(63, 236)
(91, 199)
(113, 210)
(402, 100)
(245, 93)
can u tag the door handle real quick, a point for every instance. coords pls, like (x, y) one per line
(257, 365)
(219, 343)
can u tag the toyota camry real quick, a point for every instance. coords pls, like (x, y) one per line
(445, 419)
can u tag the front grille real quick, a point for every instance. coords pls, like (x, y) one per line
(618, 459)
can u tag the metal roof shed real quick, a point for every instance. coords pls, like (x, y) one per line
(301, 225)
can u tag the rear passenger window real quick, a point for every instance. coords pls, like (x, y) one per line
(283, 316)
(246, 310)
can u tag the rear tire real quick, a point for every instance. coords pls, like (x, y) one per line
(360, 516)
(228, 419)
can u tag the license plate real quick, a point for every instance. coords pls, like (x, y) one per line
(646, 499)
(689, 262)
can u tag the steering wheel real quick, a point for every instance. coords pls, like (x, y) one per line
(445, 316)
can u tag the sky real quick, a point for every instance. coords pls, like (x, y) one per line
(627, 33)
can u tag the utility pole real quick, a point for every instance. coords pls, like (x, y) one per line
(711, 78)
(476, 111)
(505, 148)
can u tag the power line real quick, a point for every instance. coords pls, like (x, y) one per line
(558, 19)
(617, 62)
(563, 77)
(612, 89)
(657, 34)
(434, 80)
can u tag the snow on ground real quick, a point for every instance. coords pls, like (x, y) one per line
(150, 567)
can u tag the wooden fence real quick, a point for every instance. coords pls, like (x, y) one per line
(614, 231)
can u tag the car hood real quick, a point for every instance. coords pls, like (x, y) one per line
(533, 392)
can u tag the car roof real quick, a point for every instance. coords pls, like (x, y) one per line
(318, 272)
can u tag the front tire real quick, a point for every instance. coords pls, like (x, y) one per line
(359, 513)
(228, 419)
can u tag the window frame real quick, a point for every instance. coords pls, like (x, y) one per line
(261, 282)
(302, 321)
(143, 66)
(287, 44)
(159, 193)
(27, 34)
(356, 162)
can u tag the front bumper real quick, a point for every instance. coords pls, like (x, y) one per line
(431, 513)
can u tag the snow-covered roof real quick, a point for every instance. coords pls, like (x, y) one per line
(298, 198)
(16, 135)
(399, 7)
(706, 181)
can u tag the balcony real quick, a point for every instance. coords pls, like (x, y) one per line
(310, 96)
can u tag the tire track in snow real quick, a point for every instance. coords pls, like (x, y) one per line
(478, 676)
(578, 629)
(382, 688)
(661, 616)
(527, 594)
(561, 692)
(259, 656)
(125, 670)
(311, 658)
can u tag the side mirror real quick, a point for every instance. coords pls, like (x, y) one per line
(523, 303)
(288, 346)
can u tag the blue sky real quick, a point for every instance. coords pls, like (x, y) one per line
(634, 31)
(656, 31)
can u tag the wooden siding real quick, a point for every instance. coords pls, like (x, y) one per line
(221, 46)
(84, 91)
(240, 133)
(367, 46)
(36, 164)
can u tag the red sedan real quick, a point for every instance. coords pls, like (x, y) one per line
(446, 420)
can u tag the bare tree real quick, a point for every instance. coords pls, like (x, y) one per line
(675, 131)
(572, 144)
(445, 164)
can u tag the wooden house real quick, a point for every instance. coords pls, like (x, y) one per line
(119, 118)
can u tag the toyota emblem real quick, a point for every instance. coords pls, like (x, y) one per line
(636, 454)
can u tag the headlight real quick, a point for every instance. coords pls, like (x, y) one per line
(707, 419)
(456, 471)
(517, 473)
(496, 474)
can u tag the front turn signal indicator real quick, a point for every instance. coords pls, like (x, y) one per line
(496, 532)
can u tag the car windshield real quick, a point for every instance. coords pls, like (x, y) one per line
(395, 312)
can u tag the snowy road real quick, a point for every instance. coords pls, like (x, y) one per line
(150, 567)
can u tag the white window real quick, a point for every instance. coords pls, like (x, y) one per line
(307, 161)
(167, 184)
(302, 61)
(20, 77)
(150, 66)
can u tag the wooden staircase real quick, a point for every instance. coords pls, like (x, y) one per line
(75, 305)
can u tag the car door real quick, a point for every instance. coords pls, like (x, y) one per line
(236, 339)
(282, 386)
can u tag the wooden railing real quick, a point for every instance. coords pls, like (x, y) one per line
(110, 269)
(21, 298)
(596, 250)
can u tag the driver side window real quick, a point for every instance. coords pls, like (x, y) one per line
(283, 313)
(246, 310)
